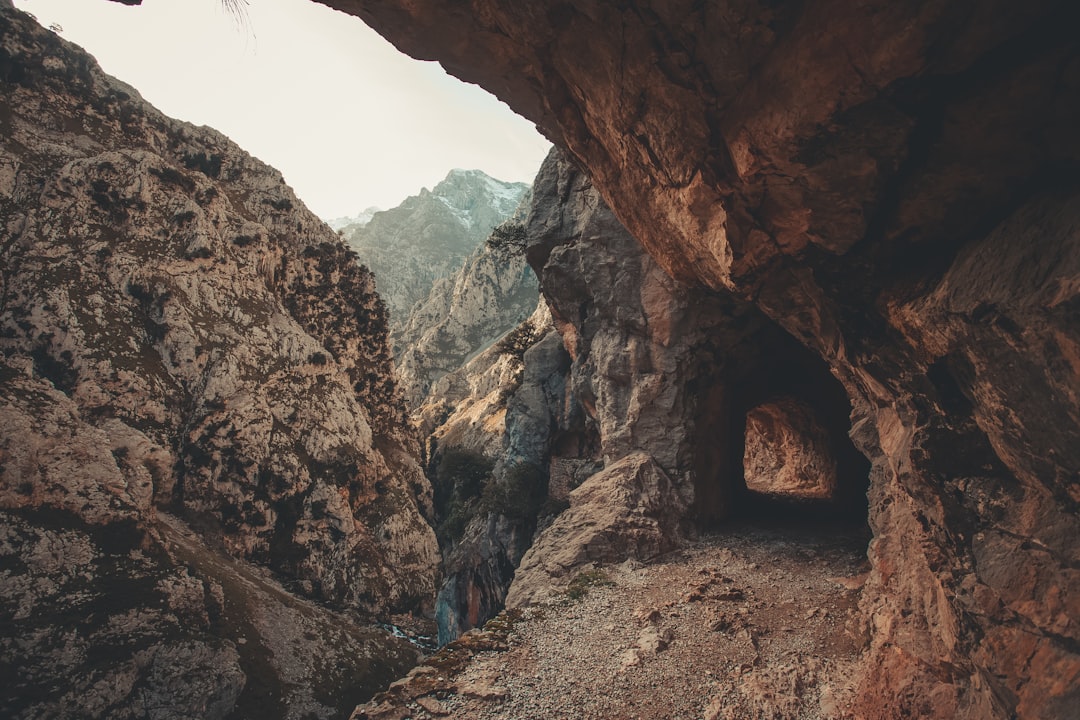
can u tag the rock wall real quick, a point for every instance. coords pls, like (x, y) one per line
(181, 339)
(667, 374)
(467, 408)
(515, 422)
(464, 314)
(787, 451)
(892, 183)
(428, 238)
(635, 411)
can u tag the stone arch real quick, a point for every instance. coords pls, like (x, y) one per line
(767, 405)
(788, 452)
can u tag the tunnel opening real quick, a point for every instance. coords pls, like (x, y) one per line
(787, 453)
(773, 431)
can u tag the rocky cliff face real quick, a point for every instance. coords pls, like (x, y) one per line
(641, 368)
(515, 424)
(667, 374)
(464, 314)
(185, 347)
(430, 236)
(891, 183)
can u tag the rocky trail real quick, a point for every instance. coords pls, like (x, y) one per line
(749, 622)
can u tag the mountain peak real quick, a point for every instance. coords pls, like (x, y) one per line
(361, 218)
(457, 172)
(431, 233)
(462, 190)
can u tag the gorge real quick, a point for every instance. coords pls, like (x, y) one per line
(892, 184)
(826, 243)
(206, 479)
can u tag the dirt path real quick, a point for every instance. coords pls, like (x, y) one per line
(743, 624)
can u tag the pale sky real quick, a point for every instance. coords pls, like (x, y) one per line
(348, 120)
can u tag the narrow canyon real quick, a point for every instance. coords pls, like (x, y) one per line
(893, 186)
(790, 265)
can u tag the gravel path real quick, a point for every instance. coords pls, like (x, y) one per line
(744, 624)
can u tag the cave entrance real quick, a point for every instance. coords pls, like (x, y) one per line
(799, 468)
(787, 452)
(773, 428)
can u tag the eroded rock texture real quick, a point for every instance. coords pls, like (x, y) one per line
(787, 451)
(179, 334)
(463, 315)
(635, 410)
(893, 183)
(631, 509)
(517, 411)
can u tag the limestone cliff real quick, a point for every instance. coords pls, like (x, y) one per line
(892, 183)
(185, 347)
(430, 236)
(466, 408)
(518, 408)
(661, 368)
(642, 366)
(464, 314)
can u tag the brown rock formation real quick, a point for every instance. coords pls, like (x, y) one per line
(892, 183)
(787, 451)
(660, 375)
(178, 333)
(629, 509)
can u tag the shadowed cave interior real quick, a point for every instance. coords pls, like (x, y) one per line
(773, 440)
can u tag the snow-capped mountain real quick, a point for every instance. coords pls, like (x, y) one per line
(464, 314)
(360, 219)
(430, 235)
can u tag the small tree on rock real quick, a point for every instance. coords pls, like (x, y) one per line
(507, 240)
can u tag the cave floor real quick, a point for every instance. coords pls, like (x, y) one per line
(748, 622)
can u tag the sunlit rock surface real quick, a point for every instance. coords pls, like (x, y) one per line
(203, 449)
(788, 452)
(464, 314)
(429, 237)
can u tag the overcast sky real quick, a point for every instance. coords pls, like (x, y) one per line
(348, 120)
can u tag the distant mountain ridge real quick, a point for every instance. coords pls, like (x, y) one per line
(430, 235)
(361, 218)
(464, 314)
